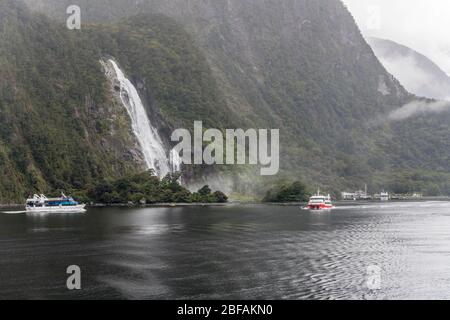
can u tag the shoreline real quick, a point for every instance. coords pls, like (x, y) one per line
(234, 203)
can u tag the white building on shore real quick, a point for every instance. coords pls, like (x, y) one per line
(348, 196)
(357, 195)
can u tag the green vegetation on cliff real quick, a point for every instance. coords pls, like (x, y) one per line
(301, 66)
(61, 125)
(53, 110)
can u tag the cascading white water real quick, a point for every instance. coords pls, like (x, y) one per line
(175, 161)
(147, 136)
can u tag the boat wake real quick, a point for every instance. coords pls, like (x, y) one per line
(14, 212)
(394, 205)
(318, 210)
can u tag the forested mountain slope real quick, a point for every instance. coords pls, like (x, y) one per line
(62, 127)
(297, 65)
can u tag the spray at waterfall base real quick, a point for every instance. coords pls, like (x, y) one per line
(229, 148)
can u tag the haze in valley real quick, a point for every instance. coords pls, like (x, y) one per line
(421, 25)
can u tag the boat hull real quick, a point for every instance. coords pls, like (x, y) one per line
(59, 209)
(320, 207)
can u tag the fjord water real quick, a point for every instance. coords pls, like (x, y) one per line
(228, 252)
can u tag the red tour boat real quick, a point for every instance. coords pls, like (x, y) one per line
(320, 202)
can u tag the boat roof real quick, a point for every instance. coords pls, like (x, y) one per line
(44, 198)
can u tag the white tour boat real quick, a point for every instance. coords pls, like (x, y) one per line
(40, 203)
(384, 196)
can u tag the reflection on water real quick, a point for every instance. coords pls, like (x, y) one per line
(248, 252)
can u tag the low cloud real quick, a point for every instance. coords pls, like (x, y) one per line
(418, 108)
(418, 24)
(416, 78)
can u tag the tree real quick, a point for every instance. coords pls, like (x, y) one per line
(220, 197)
(171, 181)
(205, 191)
(183, 196)
(294, 192)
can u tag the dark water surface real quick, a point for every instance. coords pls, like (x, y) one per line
(232, 252)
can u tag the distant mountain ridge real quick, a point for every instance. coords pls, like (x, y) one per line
(414, 70)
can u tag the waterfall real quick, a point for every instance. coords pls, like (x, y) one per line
(147, 135)
(175, 161)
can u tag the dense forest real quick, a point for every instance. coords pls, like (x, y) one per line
(146, 188)
(298, 66)
(288, 192)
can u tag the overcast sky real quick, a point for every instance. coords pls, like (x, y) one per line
(423, 25)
